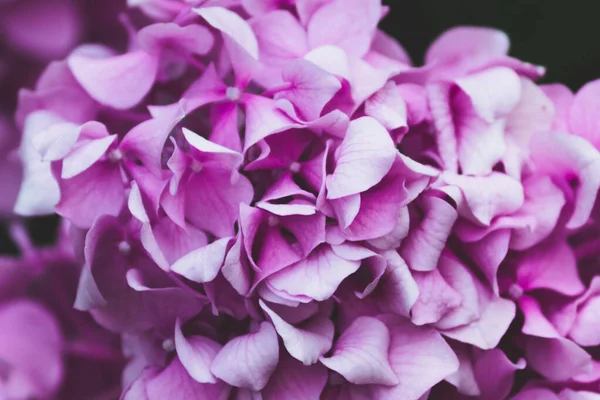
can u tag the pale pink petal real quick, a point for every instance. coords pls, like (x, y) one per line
(422, 248)
(419, 357)
(231, 25)
(248, 361)
(361, 354)
(435, 299)
(311, 88)
(316, 277)
(204, 263)
(120, 81)
(307, 342)
(196, 354)
(583, 117)
(350, 25)
(365, 156)
(388, 107)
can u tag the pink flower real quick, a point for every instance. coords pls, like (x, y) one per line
(270, 201)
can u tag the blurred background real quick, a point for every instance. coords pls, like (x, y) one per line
(562, 35)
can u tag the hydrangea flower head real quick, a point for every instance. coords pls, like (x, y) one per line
(268, 200)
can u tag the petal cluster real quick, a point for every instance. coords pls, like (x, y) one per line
(272, 202)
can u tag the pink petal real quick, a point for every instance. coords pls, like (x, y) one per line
(557, 359)
(156, 385)
(535, 394)
(486, 197)
(194, 39)
(491, 326)
(120, 81)
(146, 141)
(248, 361)
(350, 25)
(84, 156)
(305, 343)
(232, 25)
(551, 265)
(196, 354)
(203, 264)
(280, 37)
(422, 248)
(495, 374)
(361, 354)
(562, 97)
(536, 323)
(419, 357)
(316, 277)
(584, 331)
(583, 120)
(292, 380)
(365, 156)
(533, 114)
(388, 107)
(467, 43)
(311, 88)
(263, 118)
(95, 192)
(563, 156)
(435, 299)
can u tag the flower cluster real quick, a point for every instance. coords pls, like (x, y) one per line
(270, 201)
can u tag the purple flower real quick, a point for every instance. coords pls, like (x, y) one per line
(269, 200)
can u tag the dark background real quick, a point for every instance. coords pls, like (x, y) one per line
(562, 35)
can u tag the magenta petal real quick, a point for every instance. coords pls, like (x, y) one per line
(316, 277)
(557, 359)
(551, 265)
(120, 81)
(495, 374)
(248, 361)
(361, 354)
(305, 343)
(146, 140)
(203, 264)
(196, 354)
(419, 357)
(292, 380)
(365, 156)
(263, 118)
(536, 394)
(95, 192)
